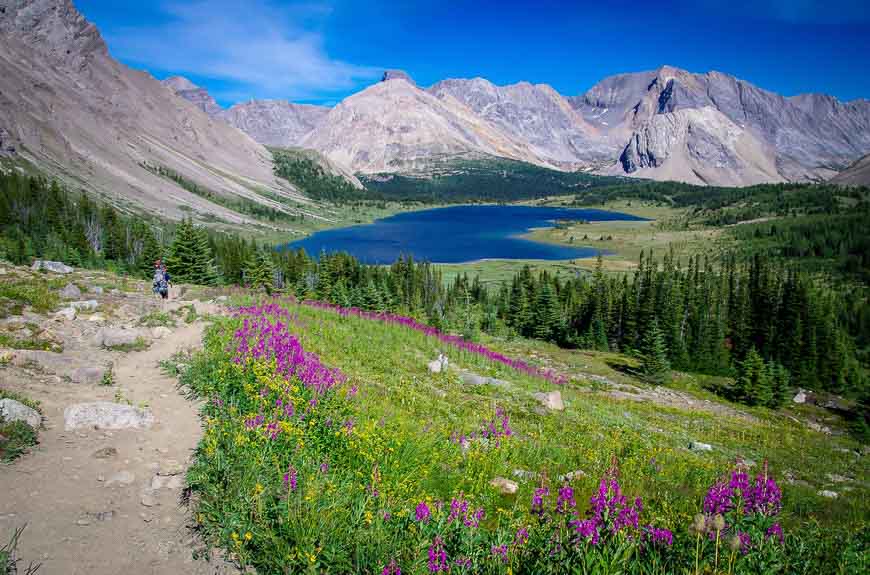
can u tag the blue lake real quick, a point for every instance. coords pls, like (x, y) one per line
(456, 234)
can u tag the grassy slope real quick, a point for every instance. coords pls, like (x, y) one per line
(415, 412)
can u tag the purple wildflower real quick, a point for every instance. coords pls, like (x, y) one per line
(774, 530)
(290, 479)
(538, 501)
(500, 551)
(521, 537)
(422, 512)
(391, 568)
(437, 556)
(656, 536)
(565, 501)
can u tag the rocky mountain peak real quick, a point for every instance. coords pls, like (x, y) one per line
(397, 75)
(54, 28)
(193, 94)
(180, 84)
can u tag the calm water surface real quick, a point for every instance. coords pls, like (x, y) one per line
(456, 234)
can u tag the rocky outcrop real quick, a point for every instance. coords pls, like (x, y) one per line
(11, 410)
(197, 96)
(699, 146)
(397, 75)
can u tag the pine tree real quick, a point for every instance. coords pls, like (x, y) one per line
(779, 383)
(548, 315)
(190, 259)
(260, 271)
(654, 359)
(753, 386)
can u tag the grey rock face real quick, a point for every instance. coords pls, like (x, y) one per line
(858, 174)
(106, 415)
(552, 400)
(274, 122)
(55, 267)
(71, 291)
(67, 313)
(11, 410)
(194, 94)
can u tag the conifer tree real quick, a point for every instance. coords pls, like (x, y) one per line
(259, 271)
(654, 359)
(548, 315)
(189, 258)
(753, 386)
(779, 383)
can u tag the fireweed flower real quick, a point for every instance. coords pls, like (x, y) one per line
(774, 531)
(422, 512)
(290, 479)
(657, 537)
(565, 501)
(391, 568)
(500, 551)
(538, 501)
(437, 556)
(521, 537)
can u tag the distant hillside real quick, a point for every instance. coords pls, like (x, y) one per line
(858, 174)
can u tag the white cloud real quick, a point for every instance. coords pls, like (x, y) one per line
(254, 47)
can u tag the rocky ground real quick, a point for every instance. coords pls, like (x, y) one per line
(101, 492)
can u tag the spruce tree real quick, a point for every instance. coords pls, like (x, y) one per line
(189, 259)
(260, 271)
(548, 315)
(779, 383)
(654, 359)
(753, 386)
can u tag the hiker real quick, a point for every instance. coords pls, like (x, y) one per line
(160, 285)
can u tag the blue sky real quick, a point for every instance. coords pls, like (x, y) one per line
(320, 51)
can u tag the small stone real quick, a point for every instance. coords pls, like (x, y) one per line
(828, 494)
(96, 289)
(146, 517)
(83, 522)
(572, 475)
(67, 313)
(801, 397)
(90, 304)
(819, 427)
(88, 375)
(71, 291)
(435, 366)
(505, 486)
(170, 467)
(698, 446)
(97, 317)
(525, 474)
(160, 332)
(121, 478)
(101, 478)
(163, 450)
(105, 453)
(148, 500)
(836, 478)
(551, 400)
(106, 415)
(156, 482)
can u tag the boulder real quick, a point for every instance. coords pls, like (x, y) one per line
(111, 337)
(90, 304)
(828, 494)
(11, 410)
(97, 317)
(551, 400)
(56, 267)
(106, 415)
(71, 291)
(435, 366)
(475, 380)
(88, 375)
(160, 332)
(123, 477)
(572, 475)
(65, 314)
(700, 447)
(801, 397)
(96, 290)
(505, 486)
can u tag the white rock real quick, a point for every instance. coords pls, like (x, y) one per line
(552, 400)
(97, 290)
(801, 397)
(71, 291)
(97, 317)
(120, 478)
(90, 304)
(148, 500)
(160, 332)
(67, 313)
(698, 446)
(56, 267)
(828, 494)
(505, 486)
(12, 410)
(106, 415)
(111, 337)
(435, 366)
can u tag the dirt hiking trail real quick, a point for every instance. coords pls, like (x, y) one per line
(96, 500)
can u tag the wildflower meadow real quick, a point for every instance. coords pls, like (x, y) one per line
(329, 448)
